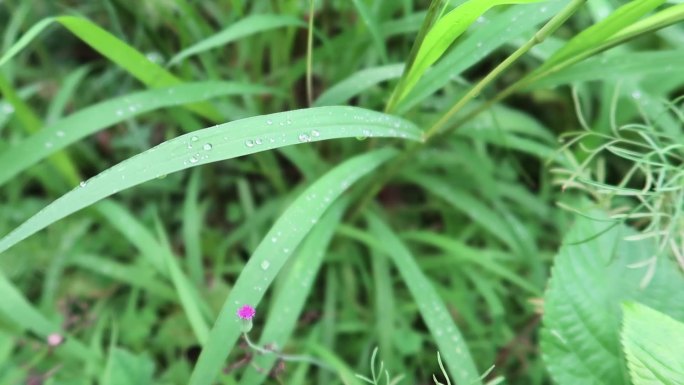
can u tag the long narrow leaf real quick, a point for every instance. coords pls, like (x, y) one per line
(225, 141)
(91, 119)
(244, 27)
(272, 253)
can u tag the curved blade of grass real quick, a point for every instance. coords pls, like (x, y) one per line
(188, 296)
(443, 34)
(464, 201)
(272, 253)
(32, 123)
(432, 309)
(125, 56)
(244, 27)
(20, 311)
(598, 33)
(478, 257)
(629, 64)
(134, 276)
(357, 83)
(288, 304)
(94, 118)
(493, 34)
(373, 28)
(224, 141)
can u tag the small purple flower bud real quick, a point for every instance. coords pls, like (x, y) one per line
(246, 312)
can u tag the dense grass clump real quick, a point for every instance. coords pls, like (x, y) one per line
(383, 192)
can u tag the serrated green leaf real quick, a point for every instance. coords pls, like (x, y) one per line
(590, 279)
(654, 346)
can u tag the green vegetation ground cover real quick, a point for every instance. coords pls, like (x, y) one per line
(496, 181)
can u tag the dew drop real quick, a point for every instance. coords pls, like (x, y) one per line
(194, 138)
(269, 122)
(119, 112)
(315, 133)
(194, 159)
(286, 250)
(304, 138)
(265, 265)
(274, 239)
(249, 143)
(60, 133)
(207, 146)
(83, 183)
(258, 141)
(48, 144)
(636, 94)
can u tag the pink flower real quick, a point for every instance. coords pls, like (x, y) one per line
(246, 312)
(55, 339)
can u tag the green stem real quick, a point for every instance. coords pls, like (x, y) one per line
(396, 165)
(309, 56)
(434, 12)
(285, 357)
(538, 37)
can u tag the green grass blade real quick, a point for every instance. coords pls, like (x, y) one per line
(135, 276)
(272, 253)
(120, 53)
(373, 28)
(244, 27)
(445, 31)
(480, 213)
(188, 296)
(16, 308)
(91, 119)
(599, 32)
(224, 141)
(192, 225)
(465, 253)
(616, 67)
(432, 309)
(357, 83)
(289, 303)
(496, 31)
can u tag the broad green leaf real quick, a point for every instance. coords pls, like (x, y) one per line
(224, 141)
(443, 34)
(357, 83)
(244, 27)
(654, 346)
(272, 253)
(91, 119)
(432, 308)
(120, 53)
(291, 297)
(582, 316)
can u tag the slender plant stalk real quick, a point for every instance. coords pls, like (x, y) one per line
(309, 56)
(397, 165)
(538, 38)
(433, 14)
(285, 357)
